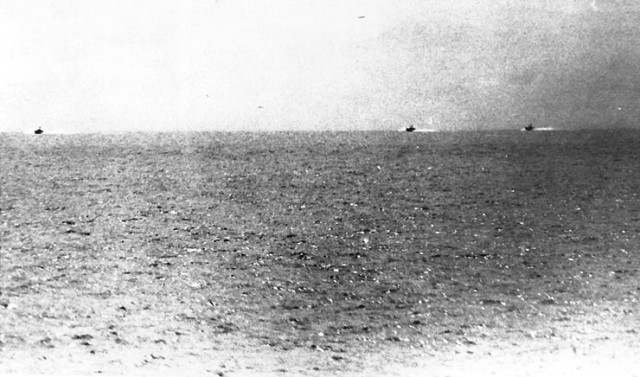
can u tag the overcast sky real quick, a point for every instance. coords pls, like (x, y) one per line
(164, 65)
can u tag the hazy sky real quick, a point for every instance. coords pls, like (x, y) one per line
(120, 65)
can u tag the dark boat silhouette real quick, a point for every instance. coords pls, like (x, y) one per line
(529, 127)
(39, 131)
(410, 129)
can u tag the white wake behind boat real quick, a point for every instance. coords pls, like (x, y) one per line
(539, 129)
